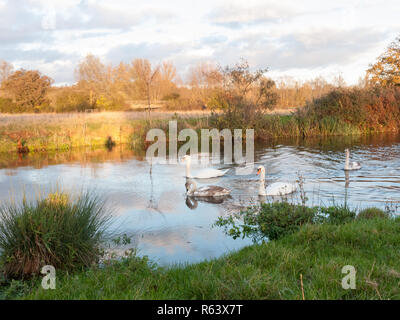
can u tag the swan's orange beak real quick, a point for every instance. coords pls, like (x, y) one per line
(258, 171)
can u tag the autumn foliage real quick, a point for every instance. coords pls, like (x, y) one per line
(386, 71)
(27, 89)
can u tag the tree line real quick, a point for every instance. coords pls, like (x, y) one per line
(139, 84)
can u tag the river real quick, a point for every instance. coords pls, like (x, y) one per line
(151, 208)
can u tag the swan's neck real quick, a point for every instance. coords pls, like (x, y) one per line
(188, 168)
(346, 164)
(261, 189)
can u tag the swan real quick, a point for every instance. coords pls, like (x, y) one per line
(206, 191)
(275, 189)
(203, 173)
(350, 166)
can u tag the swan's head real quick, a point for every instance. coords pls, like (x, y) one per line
(260, 170)
(190, 186)
(186, 158)
(347, 151)
(187, 186)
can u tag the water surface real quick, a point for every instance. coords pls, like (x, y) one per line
(150, 202)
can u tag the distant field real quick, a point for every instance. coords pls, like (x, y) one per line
(110, 116)
(63, 131)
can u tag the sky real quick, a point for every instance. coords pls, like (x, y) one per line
(299, 39)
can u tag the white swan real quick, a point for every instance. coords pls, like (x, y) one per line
(206, 191)
(203, 173)
(350, 166)
(275, 189)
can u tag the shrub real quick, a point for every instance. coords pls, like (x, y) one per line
(269, 220)
(338, 214)
(278, 219)
(55, 231)
(360, 110)
(372, 213)
(69, 101)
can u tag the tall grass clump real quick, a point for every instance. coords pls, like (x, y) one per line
(372, 213)
(57, 231)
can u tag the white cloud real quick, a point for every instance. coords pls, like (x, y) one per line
(303, 40)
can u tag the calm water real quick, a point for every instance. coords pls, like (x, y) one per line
(150, 203)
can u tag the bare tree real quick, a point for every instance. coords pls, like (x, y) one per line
(245, 95)
(145, 76)
(166, 78)
(93, 76)
(204, 78)
(6, 70)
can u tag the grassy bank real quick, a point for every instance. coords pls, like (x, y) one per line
(65, 133)
(61, 132)
(265, 271)
(308, 243)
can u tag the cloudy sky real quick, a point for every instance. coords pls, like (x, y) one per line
(301, 39)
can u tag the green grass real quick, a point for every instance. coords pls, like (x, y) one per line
(264, 271)
(371, 213)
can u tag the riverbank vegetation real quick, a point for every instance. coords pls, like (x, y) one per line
(59, 231)
(306, 260)
(342, 112)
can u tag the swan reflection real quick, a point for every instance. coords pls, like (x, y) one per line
(193, 202)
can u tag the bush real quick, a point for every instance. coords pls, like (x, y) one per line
(338, 214)
(372, 213)
(269, 220)
(71, 101)
(55, 231)
(360, 110)
(278, 219)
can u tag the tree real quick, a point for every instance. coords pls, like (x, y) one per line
(167, 76)
(204, 79)
(5, 70)
(386, 71)
(94, 76)
(145, 76)
(245, 95)
(27, 88)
